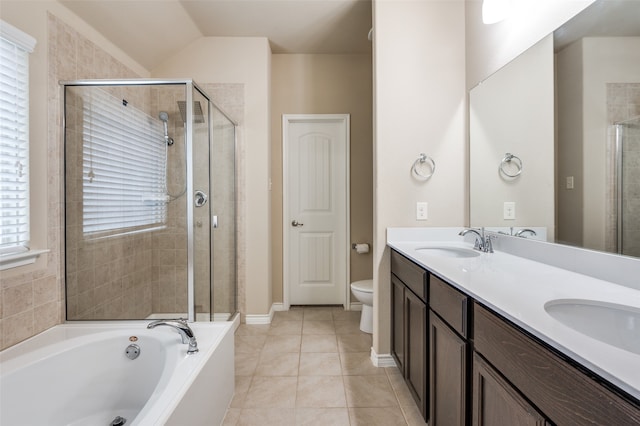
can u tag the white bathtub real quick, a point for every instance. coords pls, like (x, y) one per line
(78, 374)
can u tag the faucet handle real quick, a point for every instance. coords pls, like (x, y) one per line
(488, 245)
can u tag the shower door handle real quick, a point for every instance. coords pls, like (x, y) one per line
(200, 198)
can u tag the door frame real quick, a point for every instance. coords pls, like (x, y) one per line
(286, 120)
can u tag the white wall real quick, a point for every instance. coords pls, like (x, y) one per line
(419, 107)
(490, 47)
(244, 60)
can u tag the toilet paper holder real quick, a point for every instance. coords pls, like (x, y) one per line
(360, 248)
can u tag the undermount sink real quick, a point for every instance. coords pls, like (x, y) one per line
(610, 323)
(446, 251)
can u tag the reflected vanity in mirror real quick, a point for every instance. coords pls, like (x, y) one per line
(569, 109)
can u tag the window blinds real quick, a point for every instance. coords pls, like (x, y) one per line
(15, 47)
(124, 161)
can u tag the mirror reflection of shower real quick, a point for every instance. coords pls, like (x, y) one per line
(169, 142)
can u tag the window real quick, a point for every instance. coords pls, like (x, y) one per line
(124, 161)
(15, 47)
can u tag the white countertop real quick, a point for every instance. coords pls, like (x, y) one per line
(518, 288)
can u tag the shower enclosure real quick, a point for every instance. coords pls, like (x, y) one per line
(150, 202)
(627, 161)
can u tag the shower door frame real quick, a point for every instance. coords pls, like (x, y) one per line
(190, 85)
(618, 161)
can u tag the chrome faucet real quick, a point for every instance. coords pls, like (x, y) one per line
(482, 243)
(522, 231)
(181, 326)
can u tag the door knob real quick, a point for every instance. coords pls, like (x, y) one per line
(296, 223)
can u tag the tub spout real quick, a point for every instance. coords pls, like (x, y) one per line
(181, 326)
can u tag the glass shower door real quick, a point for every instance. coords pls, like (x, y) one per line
(628, 148)
(201, 206)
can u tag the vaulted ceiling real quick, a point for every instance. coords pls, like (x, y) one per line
(151, 30)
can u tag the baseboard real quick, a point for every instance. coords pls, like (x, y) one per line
(276, 307)
(382, 360)
(355, 306)
(260, 318)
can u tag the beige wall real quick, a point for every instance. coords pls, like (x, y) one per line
(32, 297)
(325, 84)
(419, 106)
(244, 60)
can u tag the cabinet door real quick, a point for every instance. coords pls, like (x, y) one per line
(448, 373)
(397, 325)
(416, 353)
(496, 403)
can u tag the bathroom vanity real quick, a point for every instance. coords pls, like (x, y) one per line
(488, 338)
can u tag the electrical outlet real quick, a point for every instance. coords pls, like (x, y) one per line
(509, 210)
(421, 211)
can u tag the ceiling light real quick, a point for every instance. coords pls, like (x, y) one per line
(495, 10)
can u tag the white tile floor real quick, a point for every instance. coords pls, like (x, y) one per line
(311, 366)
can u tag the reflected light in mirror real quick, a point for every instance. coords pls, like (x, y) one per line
(494, 11)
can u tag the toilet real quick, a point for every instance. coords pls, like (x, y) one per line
(363, 291)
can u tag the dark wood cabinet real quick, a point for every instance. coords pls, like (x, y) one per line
(409, 326)
(448, 373)
(397, 323)
(564, 393)
(465, 364)
(448, 354)
(496, 403)
(416, 349)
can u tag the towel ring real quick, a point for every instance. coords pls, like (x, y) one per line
(423, 158)
(508, 158)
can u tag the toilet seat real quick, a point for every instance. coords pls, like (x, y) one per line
(365, 286)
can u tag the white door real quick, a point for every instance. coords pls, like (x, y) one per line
(315, 209)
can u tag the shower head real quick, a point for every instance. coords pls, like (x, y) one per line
(198, 116)
(164, 117)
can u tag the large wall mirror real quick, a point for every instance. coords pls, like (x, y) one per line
(555, 134)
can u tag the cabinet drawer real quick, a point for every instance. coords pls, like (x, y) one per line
(450, 304)
(563, 393)
(410, 274)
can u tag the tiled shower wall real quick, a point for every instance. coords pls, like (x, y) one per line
(623, 103)
(34, 301)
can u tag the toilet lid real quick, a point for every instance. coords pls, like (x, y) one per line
(364, 285)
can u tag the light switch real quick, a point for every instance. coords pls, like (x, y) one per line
(421, 211)
(509, 210)
(569, 182)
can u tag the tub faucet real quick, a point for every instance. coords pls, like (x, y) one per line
(181, 326)
(482, 243)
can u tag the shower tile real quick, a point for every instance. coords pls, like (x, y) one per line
(17, 299)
